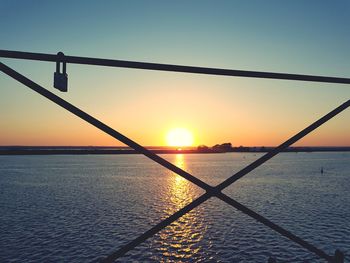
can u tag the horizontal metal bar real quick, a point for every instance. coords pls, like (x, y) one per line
(210, 190)
(169, 67)
(103, 127)
(283, 146)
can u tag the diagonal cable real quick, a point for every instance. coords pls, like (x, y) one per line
(157, 228)
(282, 146)
(274, 226)
(161, 225)
(244, 209)
(98, 124)
(209, 189)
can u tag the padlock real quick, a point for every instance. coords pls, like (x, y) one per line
(60, 80)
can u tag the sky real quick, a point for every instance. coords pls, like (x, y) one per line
(304, 37)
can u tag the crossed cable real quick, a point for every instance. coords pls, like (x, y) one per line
(210, 190)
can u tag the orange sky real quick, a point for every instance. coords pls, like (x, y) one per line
(242, 112)
(145, 105)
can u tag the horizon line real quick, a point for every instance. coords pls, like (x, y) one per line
(163, 146)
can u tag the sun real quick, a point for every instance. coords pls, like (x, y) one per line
(179, 137)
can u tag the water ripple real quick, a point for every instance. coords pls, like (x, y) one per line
(81, 208)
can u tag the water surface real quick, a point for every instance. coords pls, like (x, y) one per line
(81, 208)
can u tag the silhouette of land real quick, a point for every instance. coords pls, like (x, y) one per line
(218, 148)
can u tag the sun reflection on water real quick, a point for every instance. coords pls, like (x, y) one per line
(180, 242)
(179, 186)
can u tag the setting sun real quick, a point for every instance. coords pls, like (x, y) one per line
(179, 137)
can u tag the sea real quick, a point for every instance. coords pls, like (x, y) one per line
(81, 208)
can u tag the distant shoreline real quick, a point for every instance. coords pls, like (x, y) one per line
(84, 150)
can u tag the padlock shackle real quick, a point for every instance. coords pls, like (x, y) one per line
(64, 69)
(60, 58)
(60, 55)
(57, 66)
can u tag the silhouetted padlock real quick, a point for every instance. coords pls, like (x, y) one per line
(60, 80)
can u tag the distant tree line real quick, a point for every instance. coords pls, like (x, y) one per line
(227, 147)
(224, 147)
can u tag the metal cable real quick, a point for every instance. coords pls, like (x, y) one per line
(210, 190)
(169, 67)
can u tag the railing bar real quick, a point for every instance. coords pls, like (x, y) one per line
(170, 67)
(274, 227)
(212, 191)
(154, 230)
(283, 146)
(98, 124)
(132, 244)
(217, 192)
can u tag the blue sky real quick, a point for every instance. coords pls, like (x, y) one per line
(307, 37)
